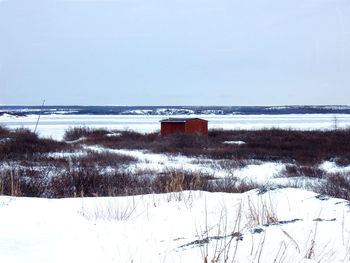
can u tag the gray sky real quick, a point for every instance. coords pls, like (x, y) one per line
(178, 52)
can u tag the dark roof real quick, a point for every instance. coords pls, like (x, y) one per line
(180, 119)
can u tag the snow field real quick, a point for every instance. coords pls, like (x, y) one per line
(286, 225)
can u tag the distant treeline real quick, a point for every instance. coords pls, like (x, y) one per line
(172, 110)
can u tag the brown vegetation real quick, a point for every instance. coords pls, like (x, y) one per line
(21, 144)
(303, 147)
(31, 168)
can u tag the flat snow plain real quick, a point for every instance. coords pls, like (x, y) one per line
(262, 225)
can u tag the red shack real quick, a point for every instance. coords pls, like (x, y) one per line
(185, 125)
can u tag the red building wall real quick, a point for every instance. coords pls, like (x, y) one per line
(190, 126)
(172, 127)
(197, 126)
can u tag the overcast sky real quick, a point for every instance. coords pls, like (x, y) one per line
(174, 52)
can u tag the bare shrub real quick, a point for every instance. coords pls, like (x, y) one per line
(23, 182)
(232, 185)
(187, 144)
(103, 158)
(89, 181)
(109, 211)
(305, 147)
(85, 179)
(124, 140)
(336, 185)
(55, 163)
(305, 171)
(235, 164)
(4, 132)
(179, 180)
(92, 134)
(343, 159)
(24, 143)
(76, 133)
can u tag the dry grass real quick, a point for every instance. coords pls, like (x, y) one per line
(260, 212)
(109, 211)
(249, 213)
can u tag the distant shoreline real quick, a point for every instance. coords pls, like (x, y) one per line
(173, 110)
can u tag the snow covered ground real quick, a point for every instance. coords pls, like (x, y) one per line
(54, 125)
(281, 225)
(268, 224)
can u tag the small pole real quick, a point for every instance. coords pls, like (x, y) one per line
(12, 184)
(37, 122)
(335, 122)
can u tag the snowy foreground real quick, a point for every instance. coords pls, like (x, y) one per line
(280, 225)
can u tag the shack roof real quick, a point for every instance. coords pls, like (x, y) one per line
(180, 119)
